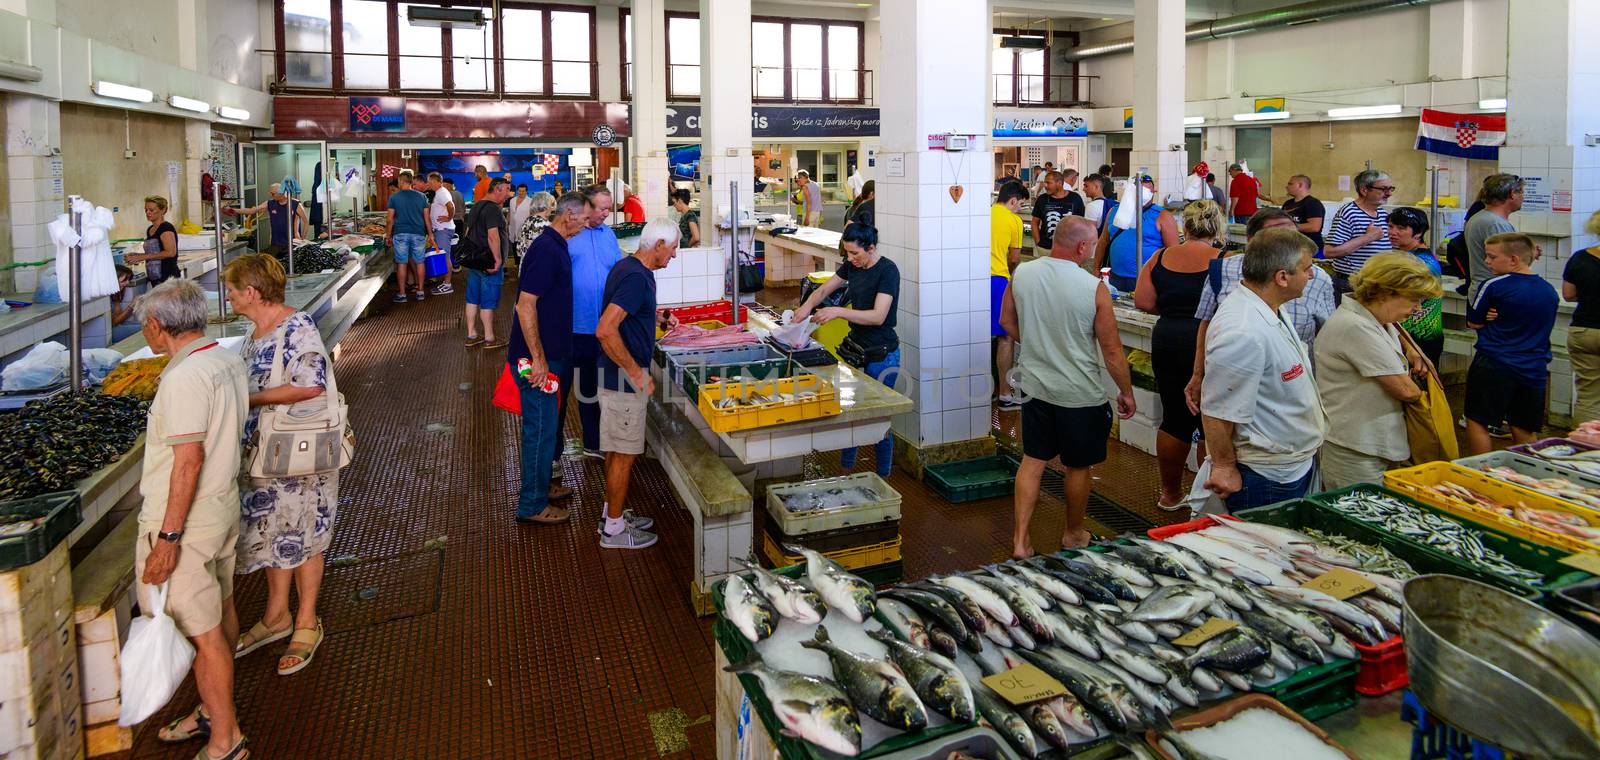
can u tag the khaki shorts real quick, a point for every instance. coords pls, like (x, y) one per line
(622, 419)
(199, 584)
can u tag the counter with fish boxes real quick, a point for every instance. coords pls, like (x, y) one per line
(1535, 515)
(853, 520)
(748, 387)
(1565, 453)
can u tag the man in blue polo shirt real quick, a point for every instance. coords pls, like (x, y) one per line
(1514, 312)
(594, 250)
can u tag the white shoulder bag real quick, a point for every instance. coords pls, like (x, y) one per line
(291, 447)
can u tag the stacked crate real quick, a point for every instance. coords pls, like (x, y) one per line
(863, 538)
(41, 716)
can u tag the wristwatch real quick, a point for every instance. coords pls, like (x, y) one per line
(171, 537)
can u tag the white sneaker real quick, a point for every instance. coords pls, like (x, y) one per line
(629, 538)
(1009, 404)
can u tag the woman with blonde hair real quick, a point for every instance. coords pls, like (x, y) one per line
(1580, 283)
(1169, 285)
(1363, 373)
(286, 524)
(160, 252)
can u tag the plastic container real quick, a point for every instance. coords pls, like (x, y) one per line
(709, 324)
(1222, 711)
(885, 507)
(1520, 551)
(806, 357)
(61, 512)
(691, 370)
(822, 401)
(436, 264)
(972, 479)
(973, 742)
(837, 540)
(718, 310)
(1530, 466)
(1579, 603)
(1529, 449)
(1432, 739)
(850, 559)
(1318, 691)
(1417, 481)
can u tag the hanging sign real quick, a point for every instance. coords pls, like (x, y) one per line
(786, 121)
(377, 114)
(1127, 118)
(1029, 123)
(1269, 105)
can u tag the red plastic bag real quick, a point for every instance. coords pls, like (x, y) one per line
(507, 395)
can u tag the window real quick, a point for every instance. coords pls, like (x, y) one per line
(1023, 76)
(523, 49)
(571, 65)
(683, 56)
(308, 43)
(844, 62)
(365, 32)
(420, 49)
(627, 53)
(813, 60)
(472, 58)
(767, 43)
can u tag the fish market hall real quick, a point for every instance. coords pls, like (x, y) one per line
(525, 379)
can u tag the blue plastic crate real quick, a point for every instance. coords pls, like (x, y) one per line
(1433, 739)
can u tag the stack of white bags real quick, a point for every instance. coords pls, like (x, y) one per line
(97, 270)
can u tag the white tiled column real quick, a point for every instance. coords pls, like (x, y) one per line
(649, 119)
(196, 149)
(935, 81)
(725, 141)
(1158, 81)
(33, 128)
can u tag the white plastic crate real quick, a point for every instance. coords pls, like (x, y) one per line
(886, 507)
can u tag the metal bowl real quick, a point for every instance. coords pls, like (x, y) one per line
(1502, 669)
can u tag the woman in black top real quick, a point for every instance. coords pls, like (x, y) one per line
(160, 257)
(872, 345)
(688, 221)
(1169, 285)
(1580, 282)
(863, 210)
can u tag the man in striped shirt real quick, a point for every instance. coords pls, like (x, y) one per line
(1360, 229)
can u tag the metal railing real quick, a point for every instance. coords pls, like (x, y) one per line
(1023, 90)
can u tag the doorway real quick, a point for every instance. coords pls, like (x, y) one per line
(1253, 146)
(296, 166)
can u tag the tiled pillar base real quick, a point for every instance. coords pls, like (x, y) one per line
(912, 458)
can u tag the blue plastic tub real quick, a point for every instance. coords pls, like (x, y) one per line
(437, 264)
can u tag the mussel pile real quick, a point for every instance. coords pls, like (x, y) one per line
(51, 444)
(312, 257)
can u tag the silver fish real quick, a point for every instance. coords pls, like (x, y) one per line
(791, 599)
(904, 621)
(1146, 667)
(812, 708)
(1005, 720)
(748, 610)
(1050, 584)
(853, 597)
(1122, 569)
(938, 681)
(875, 686)
(1172, 603)
(988, 600)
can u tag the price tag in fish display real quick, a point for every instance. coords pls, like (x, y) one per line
(1340, 583)
(1212, 628)
(1023, 684)
(1585, 561)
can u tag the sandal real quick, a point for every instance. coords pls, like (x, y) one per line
(237, 752)
(307, 640)
(173, 732)
(558, 492)
(259, 636)
(552, 515)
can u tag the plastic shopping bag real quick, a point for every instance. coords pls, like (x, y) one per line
(1201, 500)
(45, 365)
(98, 362)
(154, 662)
(507, 396)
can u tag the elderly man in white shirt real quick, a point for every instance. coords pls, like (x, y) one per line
(1262, 414)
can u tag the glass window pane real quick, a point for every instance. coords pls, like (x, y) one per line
(421, 62)
(1031, 71)
(844, 53)
(569, 50)
(307, 38)
(472, 52)
(627, 52)
(366, 44)
(523, 49)
(805, 60)
(683, 40)
(766, 54)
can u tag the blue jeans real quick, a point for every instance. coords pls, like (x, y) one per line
(1258, 491)
(539, 430)
(886, 372)
(483, 289)
(586, 381)
(410, 248)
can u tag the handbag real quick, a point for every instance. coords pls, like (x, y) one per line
(750, 274)
(292, 447)
(1430, 427)
(507, 396)
(470, 252)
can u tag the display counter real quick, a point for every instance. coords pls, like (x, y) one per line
(790, 256)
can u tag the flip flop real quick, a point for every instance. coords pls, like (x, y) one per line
(303, 637)
(173, 733)
(237, 752)
(260, 635)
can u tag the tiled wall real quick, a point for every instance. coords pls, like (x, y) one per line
(694, 275)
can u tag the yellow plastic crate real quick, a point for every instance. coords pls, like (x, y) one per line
(823, 402)
(709, 324)
(853, 558)
(1417, 483)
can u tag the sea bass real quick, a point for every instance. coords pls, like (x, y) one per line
(938, 681)
(791, 599)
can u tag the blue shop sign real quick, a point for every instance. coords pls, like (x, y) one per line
(377, 114)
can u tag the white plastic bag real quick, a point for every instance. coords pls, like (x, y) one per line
(98, 362)
(154, 662)
(1128, 210)
(1194, 188)
(41, 367)
(796, 335)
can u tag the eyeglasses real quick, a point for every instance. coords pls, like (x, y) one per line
(1385, 190)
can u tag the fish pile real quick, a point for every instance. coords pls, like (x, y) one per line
(1584, 460)
(1433, 530)
(756, 398)
(692, 336)
(1553, 520)
(50, 444)
(822, 499)
(1372, 557)
(1554, 486)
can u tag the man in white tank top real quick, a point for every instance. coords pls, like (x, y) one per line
(1061, 317)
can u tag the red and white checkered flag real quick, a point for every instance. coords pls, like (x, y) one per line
(552, 163)
(389, 171)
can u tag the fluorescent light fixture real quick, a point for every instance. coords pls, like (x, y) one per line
(123, 92)
(1193, 121)
(229, 112)
(1492, 104)
(188, 104)
(1364, 112)
(1262, 116)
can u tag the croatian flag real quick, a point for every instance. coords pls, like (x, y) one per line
(1463, 135)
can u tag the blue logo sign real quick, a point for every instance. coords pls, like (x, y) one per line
(377, 114)
(784, 121)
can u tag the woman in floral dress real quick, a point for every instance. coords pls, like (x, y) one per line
(286, 523)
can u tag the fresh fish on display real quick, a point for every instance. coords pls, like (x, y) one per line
(1565, 523)
(1073, 716)
(1004, 720)
(982, 595)
(1225, 557)
(850, 595)
(812, 708)
(1289, 542)
(1045, 723)
(1094, 693)
(1079, 640)
(1027, 614)
(1028, 590)
(1206, 680)
(944, 616)
(1289, 637)
(1168, 631)
(999, 633)
(1311, 625)
(1236, 651)
(1110, 581)
(1088, 588)
(1147, 667)
(1126, 571)
(1386, 613)
(972, 616)
(1194, 563)
(1321, 602)
(791, 599)
(1432, 529)
(1583, 460)
(1554, 486)
(876, 687)
(904, 621)
(938, 681)
(1279, 657)
(1172, 603)
(1235, 681)
(1087, 620)
(1049, 583)
(1154, 699)
(1152, 562)
(1111, 689)
(1375, 558)
(1020, 636)
(748, 610)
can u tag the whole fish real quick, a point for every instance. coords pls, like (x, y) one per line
(1305, 621)
(1151, 561)
(1172, 603)
(1226, 592)
(1181, 686)
(1139, 631)
(1119, 696)
(1020, 636)
(1290, 542)
(904, 621)
(943, 615)
(1004, 720)
(1055, 587)
(1206, 680)
(875, 686)
(1089, 589)
(812, 708)
(1228, 558)
(1341, 647)
(1152, 697)
(1238, 681)
(1000, 634)
(845, 592)
(1237, 651)
(1324, 603)
(1093, 692)
(1045, 722)
(1169, 631)
(1147, 667)
(747, 609)
(971, 614)
(938, 681)
(1088, 620)
(1028, 615)
(982, 595)
(1386, 614)
(1351, 631)
(1079, 640)
(1118, 588)
(1028, 591)
(788, 596)
(1124, 570)
(1291, 638)
(1073, 716)
(1194, 563)
(1280, 657)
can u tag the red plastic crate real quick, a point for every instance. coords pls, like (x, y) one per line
(721, 310)
(1165, 532)
(1383, 667)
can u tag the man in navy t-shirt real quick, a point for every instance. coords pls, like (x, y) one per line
(541, 334)
(627, 335)
(1513, 313)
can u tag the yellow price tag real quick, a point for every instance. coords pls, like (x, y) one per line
(1023, 684)
(1340, 583)
(1585, 561)
(1206, 631)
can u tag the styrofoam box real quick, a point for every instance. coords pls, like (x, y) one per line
(1139, 432)
(30, 722)
(1148, 403)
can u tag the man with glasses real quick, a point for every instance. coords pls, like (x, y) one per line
(1360, 229)
(1501, 196)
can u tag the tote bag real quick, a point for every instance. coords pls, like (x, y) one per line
(1430, 427)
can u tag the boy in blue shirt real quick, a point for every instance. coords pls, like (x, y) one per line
(1513, 313)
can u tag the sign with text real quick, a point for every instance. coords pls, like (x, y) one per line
(1206, 631)
(1023, 684)
(377, 114)
(1340, 583)
(785, 121)
(1036, 123)
(1585, 561)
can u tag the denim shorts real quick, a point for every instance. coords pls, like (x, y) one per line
(410, 248)
(483, 290)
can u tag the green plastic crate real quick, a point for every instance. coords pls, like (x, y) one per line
(695, 375)
(737, 648)
(1539, 558)
(62, 513)
(1318, 691)
(973, 479)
